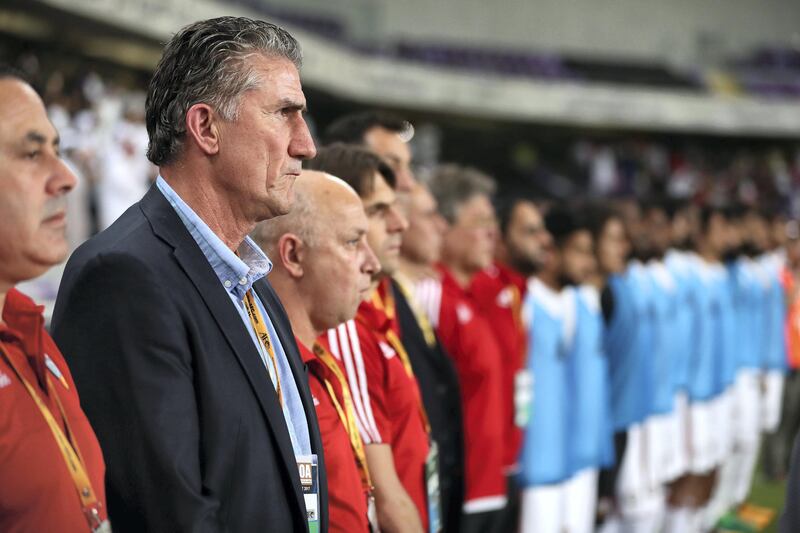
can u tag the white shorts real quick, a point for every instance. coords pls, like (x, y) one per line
(544, 509)
(637, 495)
(772, 400)
(702, 440)
(678, 437)
(723, 407)
(581, 501)
(658, 434)
(746, 420)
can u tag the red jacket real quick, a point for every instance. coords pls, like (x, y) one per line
(387, 399)
(468, 338)
(37, 492)
(499, 292)
(347, 496)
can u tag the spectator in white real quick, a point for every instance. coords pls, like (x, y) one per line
(123, 170)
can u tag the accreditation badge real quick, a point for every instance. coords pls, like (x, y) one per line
(309, 482)
(104, 527)
(93, 516)
(372, 514)
(523, 397)
(433, 489)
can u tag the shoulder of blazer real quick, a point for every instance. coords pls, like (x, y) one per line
(164, 221)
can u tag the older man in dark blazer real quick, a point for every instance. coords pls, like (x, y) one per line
(185, 359)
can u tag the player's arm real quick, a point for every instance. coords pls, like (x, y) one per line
(396, 510)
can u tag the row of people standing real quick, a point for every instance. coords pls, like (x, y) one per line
(390, 375)
(658, 373)
(322, 401)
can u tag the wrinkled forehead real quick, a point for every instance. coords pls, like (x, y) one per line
(278, 78)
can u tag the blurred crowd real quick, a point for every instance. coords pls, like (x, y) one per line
(101, 117)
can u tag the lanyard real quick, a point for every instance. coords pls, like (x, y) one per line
(388, 308)
(346, 413)
(69, 450)
(421, 318)
(516, 311)
(262, 333)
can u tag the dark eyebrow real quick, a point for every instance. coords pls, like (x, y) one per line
(294, 105)
(40, 138)
(378, 207)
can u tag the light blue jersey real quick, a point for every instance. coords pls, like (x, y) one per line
(546, 456)
(629, 401)
(774, 344)
(665, 342)
(702, 383)
(679, 264)
(591, 432)
(745, 291)
(727, 356)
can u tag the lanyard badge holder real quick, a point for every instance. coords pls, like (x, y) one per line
(523, 397)
(69, 451)
(309, 482)
(433, 489)
(346, 414)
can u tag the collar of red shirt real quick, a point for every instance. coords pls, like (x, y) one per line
(305, 353)
(449, 281)
(24, 323)
(24, 326)
(509, 275)
(375, 317)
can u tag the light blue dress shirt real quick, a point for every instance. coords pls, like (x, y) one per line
(237, 275)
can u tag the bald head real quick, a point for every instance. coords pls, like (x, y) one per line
(318, 199)
(323, 264)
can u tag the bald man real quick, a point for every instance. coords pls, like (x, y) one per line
(323, 267)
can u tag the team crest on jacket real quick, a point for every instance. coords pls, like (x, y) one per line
(464, 313)
(505, 298)
(388, 351)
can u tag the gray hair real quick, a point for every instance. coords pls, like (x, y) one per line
(453, 185)
(204, 62)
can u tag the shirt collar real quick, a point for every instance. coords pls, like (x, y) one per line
(236, 273)
(509, 275)
(305, 353)
(372, 317)
(24, 322)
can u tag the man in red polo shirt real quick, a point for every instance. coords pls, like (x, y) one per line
(463, 197)
(51, 466)
(499, 290)
(323, 268)
(387, 398)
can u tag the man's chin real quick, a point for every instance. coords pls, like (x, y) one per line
(54, 253)
(275, 209)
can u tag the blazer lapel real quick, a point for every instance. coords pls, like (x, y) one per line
(168, 226)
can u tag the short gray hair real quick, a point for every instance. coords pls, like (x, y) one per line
(453, 185)
(203, 62)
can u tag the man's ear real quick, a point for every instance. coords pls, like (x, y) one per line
(292, 252)
(202, 127)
